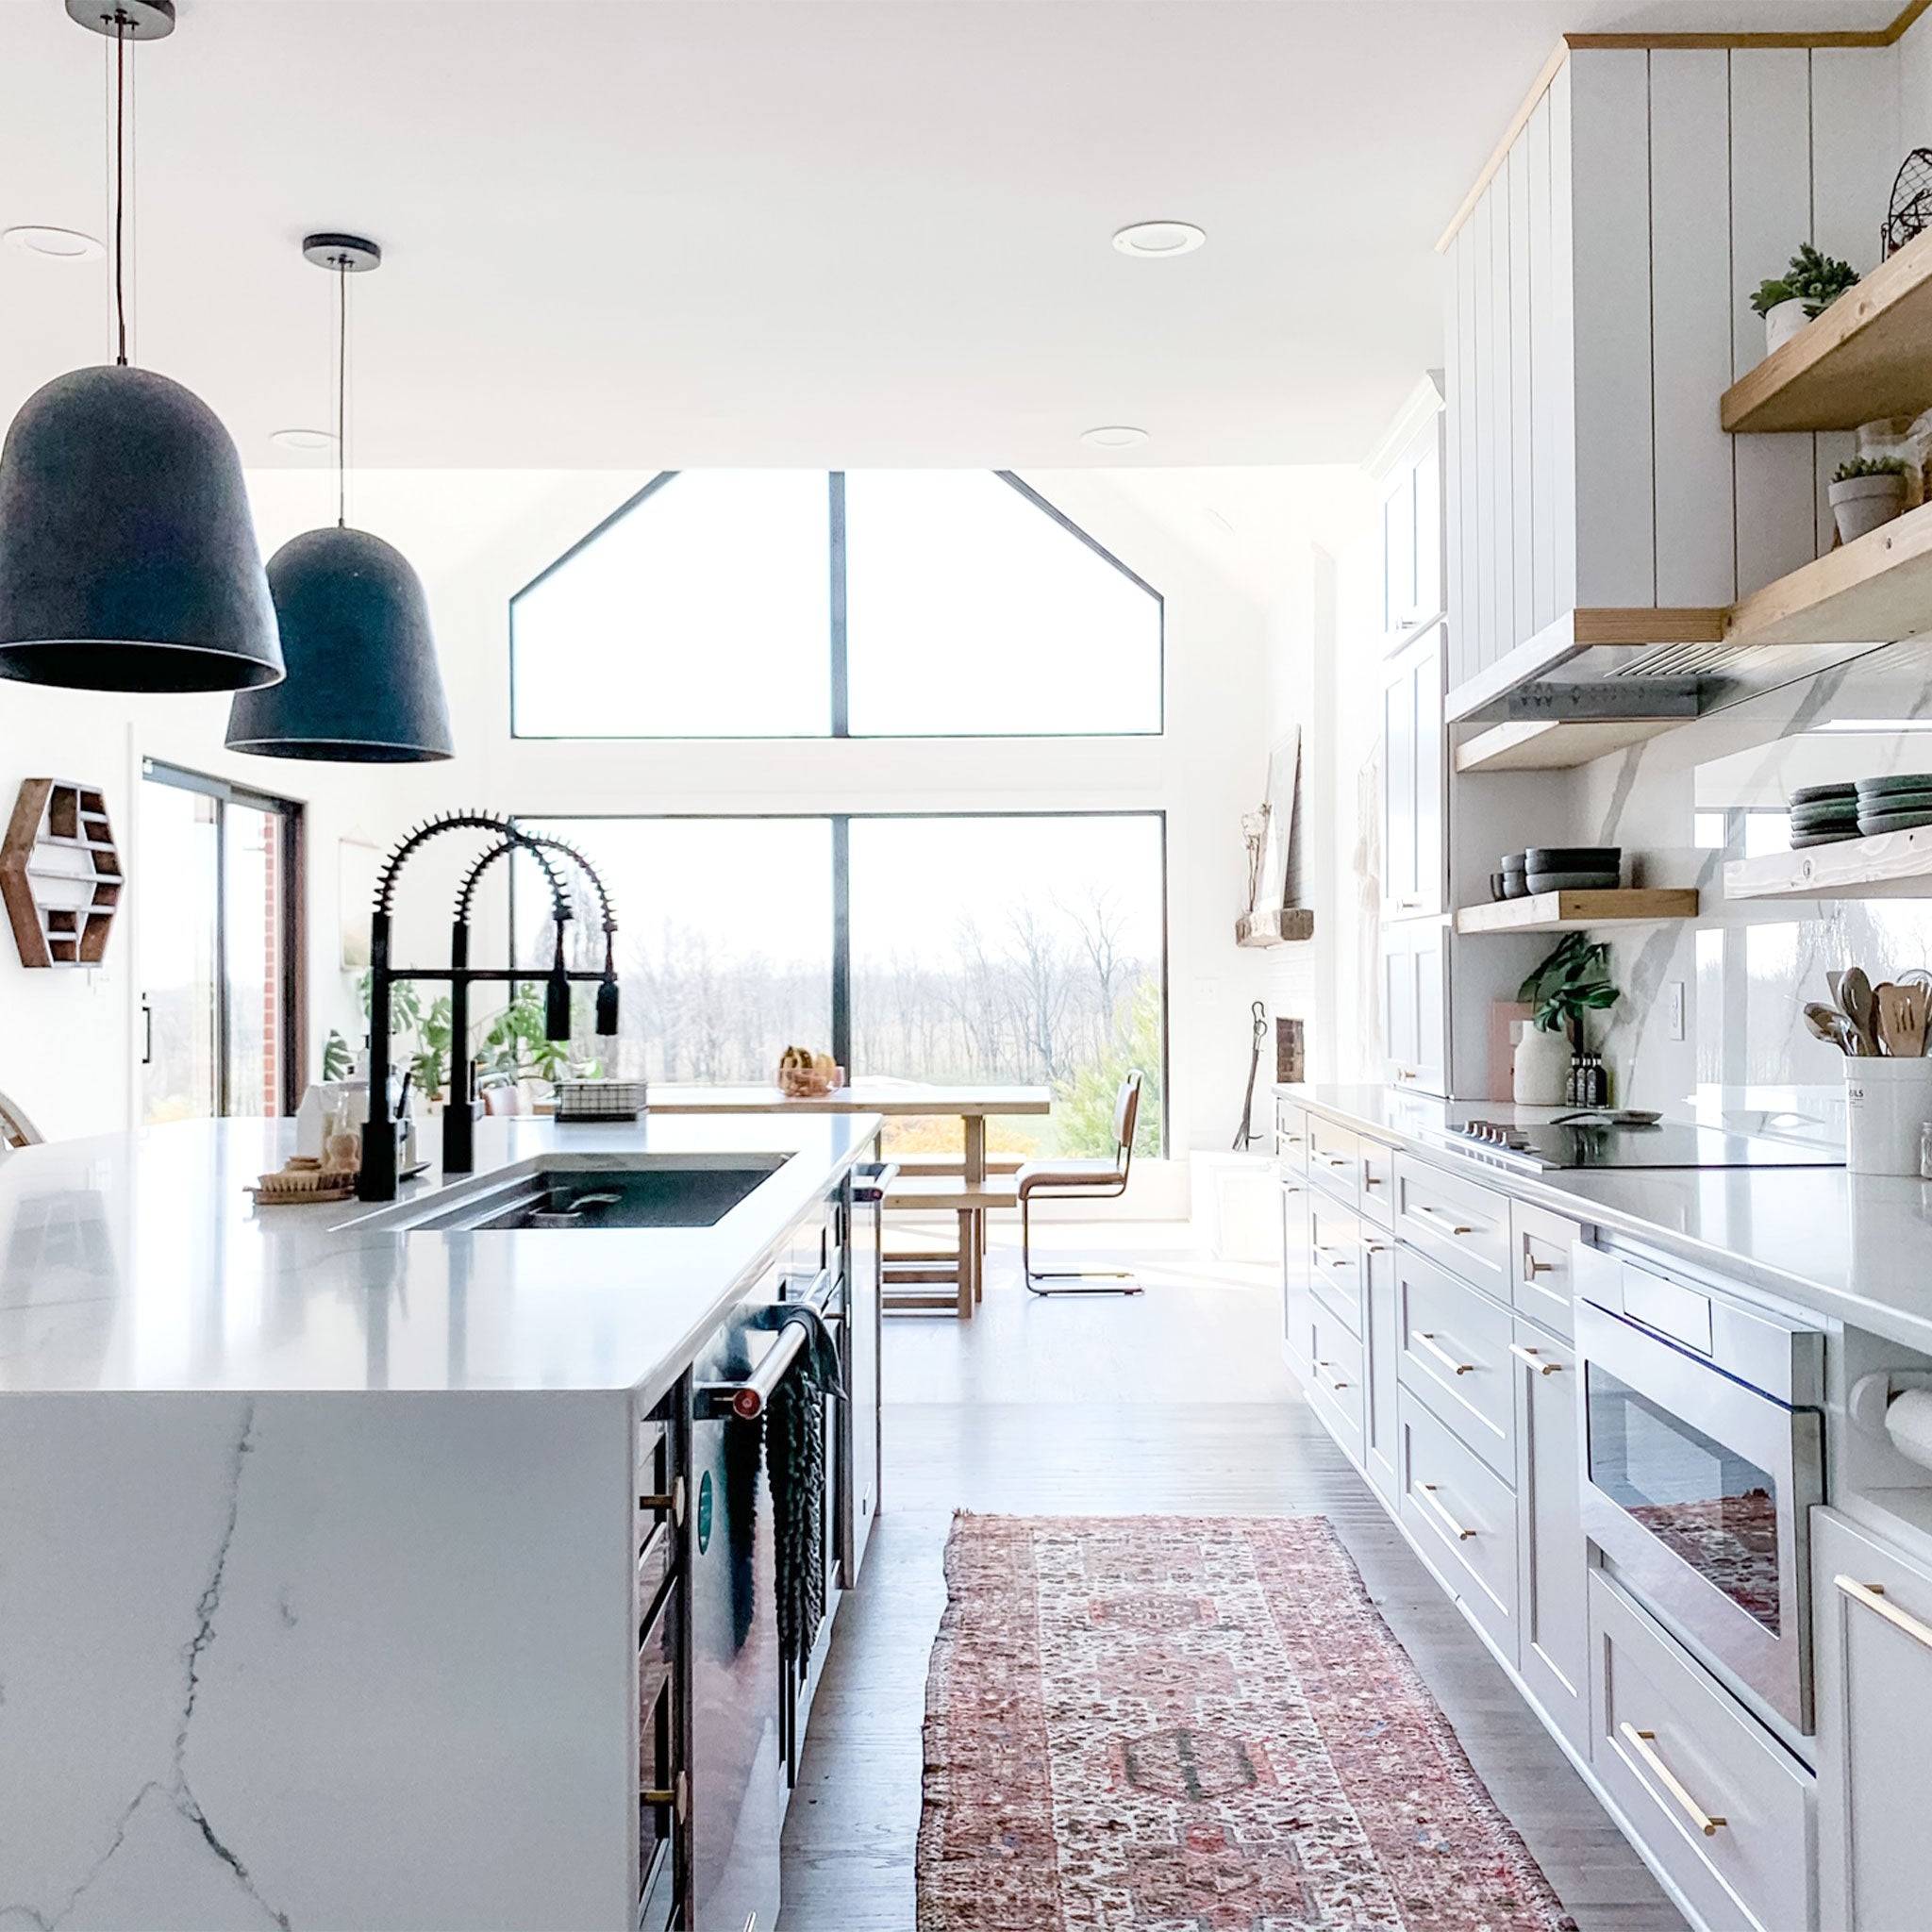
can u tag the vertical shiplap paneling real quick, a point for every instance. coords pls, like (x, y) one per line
(1856, 144)
(1561, 361)
(1690, 302)
(1452, 458)
(1522, 545)
(1771, 214)
(1502, 485)
(1467, 628)
(1483, 644)
(1535, 148)
(1616, 556)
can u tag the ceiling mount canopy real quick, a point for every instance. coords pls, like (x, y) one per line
(363, 685)
(127, 553)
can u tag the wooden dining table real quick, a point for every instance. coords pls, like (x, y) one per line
(972, 1105)
(966, 1197)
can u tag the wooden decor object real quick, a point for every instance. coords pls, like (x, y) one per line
(1276, 927)
(60, 874)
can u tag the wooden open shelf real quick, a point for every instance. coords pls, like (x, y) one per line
(1580, 911)
(1876, 591)
(1892, 865)
(1555, 746)
(1869, 355)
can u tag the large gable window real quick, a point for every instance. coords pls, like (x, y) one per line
(798, 604)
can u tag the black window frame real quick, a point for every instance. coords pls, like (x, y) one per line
(839, 710)
(841, 823)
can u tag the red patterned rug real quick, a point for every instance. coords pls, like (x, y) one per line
(1193, 1724)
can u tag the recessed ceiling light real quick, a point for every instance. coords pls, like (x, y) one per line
(1159, 238)
(1113, 436)
(63, 245)
(304, 439)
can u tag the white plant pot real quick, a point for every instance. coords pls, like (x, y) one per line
(1860, 504)
(1887, 1104)
(1782, 322)
(1541, 1066)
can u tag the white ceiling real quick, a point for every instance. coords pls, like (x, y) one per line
(643, 233)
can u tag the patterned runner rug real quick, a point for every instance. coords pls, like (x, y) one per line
(1193, 1724)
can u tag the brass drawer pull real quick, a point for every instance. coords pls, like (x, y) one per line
(1441, 1353)
(1639, 1742)
(1317, 1248)
(673, 1503)
(1337, 1159)
(1532, 1267)
(1871, 1596)
(1371, 1180)
(1451, 1224)
(1534, 1360)
(1333, 1380)
(1449, 1523)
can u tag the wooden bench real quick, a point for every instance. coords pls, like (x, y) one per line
(963, 1266)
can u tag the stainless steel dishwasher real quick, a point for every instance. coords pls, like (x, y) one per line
(738, 1799)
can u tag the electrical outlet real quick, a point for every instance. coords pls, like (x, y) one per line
(1673, 1007)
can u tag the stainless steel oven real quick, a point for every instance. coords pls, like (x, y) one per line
(1703, 1455)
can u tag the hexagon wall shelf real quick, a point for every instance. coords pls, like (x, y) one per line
(59, 874)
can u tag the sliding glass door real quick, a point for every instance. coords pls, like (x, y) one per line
(218, 886)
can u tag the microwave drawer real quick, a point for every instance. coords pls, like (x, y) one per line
(1461, 1515)
(1727, 1811)
(1335, 1262)
(1334, 1156)
(1453, 1351)
(1462, 1224)
(1376, 1172)
(1335, 1380)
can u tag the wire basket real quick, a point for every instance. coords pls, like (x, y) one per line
(599, 1100)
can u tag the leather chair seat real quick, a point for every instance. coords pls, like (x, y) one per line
(1047, 1175)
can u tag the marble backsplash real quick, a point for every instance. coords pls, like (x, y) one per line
(1681, 806)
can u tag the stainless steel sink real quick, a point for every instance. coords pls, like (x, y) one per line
(588, 1192)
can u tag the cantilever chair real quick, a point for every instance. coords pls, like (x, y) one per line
(1092, 1179)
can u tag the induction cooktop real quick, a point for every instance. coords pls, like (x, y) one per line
(1548, 1147)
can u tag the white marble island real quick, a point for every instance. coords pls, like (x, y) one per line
(319, 1546)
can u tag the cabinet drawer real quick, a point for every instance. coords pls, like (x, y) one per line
(1290, 1137)
(1333, 1155)
(1452, 1349)
(1335, 1262)
(1375, 1172)
(1463, 1517)
(1874, 1631)
(1542, 1277)
(1456, 1222)
(1335, 1380)
(1724, 1809)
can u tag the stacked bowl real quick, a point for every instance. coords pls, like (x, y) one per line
(1572, 867)
(1823, 814)
(1898, 803)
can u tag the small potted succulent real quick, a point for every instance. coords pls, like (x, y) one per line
(1865, 493)
(1807, 288)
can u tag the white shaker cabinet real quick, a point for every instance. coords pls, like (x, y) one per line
(1415, 1004)
(1414, 847)
(1381, 1445)
(1552, 1563)
(1407, 468)
(1873, 1652)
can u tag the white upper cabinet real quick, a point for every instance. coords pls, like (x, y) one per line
(1414, 844)
(1407, 468)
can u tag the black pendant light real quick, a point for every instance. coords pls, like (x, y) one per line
(363, 685)
(127, 553)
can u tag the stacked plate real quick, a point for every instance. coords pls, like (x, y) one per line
(1572, 867)
(1823, 814)
(1898, 804)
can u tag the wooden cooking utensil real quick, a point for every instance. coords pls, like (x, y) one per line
(1854, 996)
(1901, 1018)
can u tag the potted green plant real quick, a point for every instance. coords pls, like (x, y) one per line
(1865, 493)
(1573, 980)
(1809, 285)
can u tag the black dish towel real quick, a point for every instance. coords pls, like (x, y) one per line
(796, 1465)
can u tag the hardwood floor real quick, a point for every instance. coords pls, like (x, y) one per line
(1173, 1401)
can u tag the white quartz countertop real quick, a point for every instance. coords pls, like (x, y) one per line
(1854, 1247)
(139, 1262)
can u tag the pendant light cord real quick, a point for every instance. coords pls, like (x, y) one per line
(120, 188)
(341, 392)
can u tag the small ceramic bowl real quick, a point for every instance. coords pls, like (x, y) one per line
(1499, 885)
